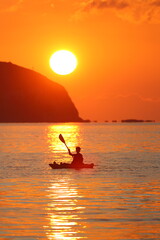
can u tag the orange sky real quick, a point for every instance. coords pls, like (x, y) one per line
(117, 43)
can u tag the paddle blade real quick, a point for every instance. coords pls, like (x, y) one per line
(61, 138)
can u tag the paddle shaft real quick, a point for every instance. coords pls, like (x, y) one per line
(66, 145)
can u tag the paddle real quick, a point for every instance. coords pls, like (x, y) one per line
(62, 140)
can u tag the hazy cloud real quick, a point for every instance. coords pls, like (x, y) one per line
(134, 10)
(10, 5)
(127, 98)
(99, 4)
(156, 3)
(138, 97)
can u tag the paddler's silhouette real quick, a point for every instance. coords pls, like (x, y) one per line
(77, 157)
(77, 162)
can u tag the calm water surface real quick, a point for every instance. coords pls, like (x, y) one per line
(118, 199)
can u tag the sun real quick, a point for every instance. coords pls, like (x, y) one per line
(63, 62)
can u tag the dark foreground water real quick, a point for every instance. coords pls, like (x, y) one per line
(118, 199)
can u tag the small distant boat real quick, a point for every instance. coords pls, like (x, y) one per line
(67, 165)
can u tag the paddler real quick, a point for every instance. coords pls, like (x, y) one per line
(77, 157)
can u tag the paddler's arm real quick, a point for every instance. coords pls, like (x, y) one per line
(69, 151)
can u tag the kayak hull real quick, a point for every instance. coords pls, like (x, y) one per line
(71, 166)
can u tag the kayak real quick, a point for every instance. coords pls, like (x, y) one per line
(68, 165)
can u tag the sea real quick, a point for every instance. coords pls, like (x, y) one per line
(119, 199)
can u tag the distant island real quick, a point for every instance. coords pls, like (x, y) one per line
(131, 121)
(135, 120)
(28, 96)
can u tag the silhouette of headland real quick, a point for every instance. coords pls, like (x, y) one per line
(27, 96)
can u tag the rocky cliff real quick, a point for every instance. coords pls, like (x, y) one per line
(27, 96)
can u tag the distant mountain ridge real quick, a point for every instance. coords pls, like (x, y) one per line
(28, 96)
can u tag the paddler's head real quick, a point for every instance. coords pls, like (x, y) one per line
(78, 149)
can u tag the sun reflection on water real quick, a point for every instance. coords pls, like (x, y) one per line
(63, 211)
